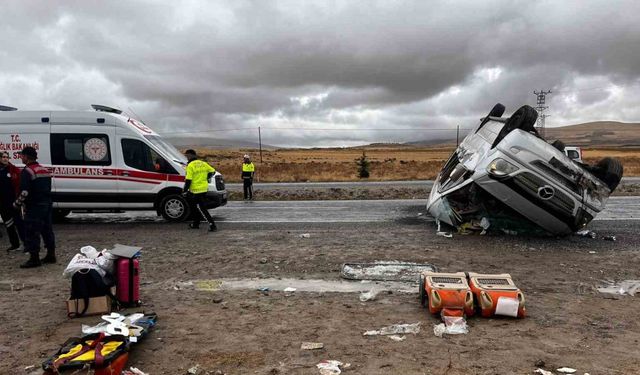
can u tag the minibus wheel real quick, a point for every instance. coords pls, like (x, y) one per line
(175, 208)
(524, 119)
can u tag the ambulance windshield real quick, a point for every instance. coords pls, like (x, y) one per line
(170, 151)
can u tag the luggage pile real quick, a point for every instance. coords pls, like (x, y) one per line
(94, 275)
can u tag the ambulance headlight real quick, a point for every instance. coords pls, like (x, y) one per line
(501, 168)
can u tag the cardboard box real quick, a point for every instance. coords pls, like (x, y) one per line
(97, 306)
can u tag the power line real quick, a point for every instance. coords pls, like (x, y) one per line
(316, 129)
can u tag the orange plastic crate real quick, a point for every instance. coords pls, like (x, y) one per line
(446, 293)
(489, 289)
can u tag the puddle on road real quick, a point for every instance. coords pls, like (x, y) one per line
(301, 285)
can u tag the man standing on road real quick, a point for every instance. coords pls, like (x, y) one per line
(196, 185)
(248, 170)
(9, 185)
(35, 201)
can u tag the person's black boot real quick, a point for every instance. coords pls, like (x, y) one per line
(212, 227)
(13, 247)
(33, 261)
(50, 257)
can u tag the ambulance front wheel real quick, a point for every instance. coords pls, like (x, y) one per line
(174, 208)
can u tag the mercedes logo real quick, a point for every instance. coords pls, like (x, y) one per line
(546, 192)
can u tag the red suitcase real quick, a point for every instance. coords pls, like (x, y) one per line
(128, 281)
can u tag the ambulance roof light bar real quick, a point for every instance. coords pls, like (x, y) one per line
(7, 109)
(104, 108)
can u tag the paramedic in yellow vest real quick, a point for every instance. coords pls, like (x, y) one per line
(196, 185)
(248, 170)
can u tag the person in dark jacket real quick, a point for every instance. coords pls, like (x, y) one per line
(36, 203)
(9, 184)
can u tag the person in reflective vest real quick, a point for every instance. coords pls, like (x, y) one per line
(37, 206)
(9, 188)
(248, 170)
(196, 185)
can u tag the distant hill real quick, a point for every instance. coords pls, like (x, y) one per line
(598, 133)
(590, 134)
(214, 143)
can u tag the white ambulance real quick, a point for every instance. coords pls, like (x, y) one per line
(104, 160)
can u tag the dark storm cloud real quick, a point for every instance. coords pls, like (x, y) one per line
(368, 64)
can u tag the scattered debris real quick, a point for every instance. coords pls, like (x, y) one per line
(397, 338)
(395, 329)
(385, 271)
(263, 260)
(453, 325)
(609, 238)
(311, 345)
(485, 224)
(543, 372)
(626, 287)
(217, 299)
(193, 370)
(444, 234)
(592, 252)
(289, 290)
(329, 367)
(566, 370)
(586, 233)
(305, 235)
(419, 213)
(264, 289)
(368, 296)
(540, 363)
(30, 367)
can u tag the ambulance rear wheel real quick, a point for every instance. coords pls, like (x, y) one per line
(174, 208)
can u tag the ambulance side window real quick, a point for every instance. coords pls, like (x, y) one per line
(139, 155)
(80, 149)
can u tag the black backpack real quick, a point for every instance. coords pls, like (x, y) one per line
(86, 284)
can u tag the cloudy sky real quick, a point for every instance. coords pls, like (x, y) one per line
(322, 73)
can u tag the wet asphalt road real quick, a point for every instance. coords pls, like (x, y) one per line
(344, 211)
(358, 184)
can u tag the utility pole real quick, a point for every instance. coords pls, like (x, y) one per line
(540, 107)
(260, 143)
(457, 135)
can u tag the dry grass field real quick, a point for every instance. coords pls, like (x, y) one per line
(388, 163)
